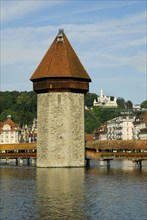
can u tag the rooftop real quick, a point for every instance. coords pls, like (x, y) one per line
(60, 61)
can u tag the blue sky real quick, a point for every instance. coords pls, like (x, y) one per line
(109, 38)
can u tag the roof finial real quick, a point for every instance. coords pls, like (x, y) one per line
(61, 31)
(60, 35)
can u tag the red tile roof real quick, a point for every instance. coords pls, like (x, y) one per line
(10, 123)
(89, 137)
(60, 61)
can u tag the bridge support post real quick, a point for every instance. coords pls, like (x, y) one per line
(32, 160)
(108, 163)
(17, 161)
(28, 161)
(87, 162)
(138, 163)
(7, 160)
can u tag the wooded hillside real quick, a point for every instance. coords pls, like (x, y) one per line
(22, 106)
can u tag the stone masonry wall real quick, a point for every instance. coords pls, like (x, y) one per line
(60, 138)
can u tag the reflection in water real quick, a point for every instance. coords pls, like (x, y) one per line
(93, 193)
(60, 193)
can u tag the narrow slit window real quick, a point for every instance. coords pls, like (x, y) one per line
(59, 99)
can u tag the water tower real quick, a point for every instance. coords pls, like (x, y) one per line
(60, 82)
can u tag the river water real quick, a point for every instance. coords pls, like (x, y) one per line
(94, 193)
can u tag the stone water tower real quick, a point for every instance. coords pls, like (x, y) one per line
(60, 82)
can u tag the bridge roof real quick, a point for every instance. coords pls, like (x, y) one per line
(18, 146)
(117, 144)
(95, 144)
(60, 61)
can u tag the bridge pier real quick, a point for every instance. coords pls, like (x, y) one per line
(32, 160)
(108, 163)
(28, 161)
(105, 161)
(19, 161)
(138, 163)
(7, 160)
(87, 162)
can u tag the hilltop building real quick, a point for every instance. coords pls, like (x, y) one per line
(105, 101)
(137, 107)
(60, 82)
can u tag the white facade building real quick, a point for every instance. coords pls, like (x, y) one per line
(120, 128)
(9, 131)
(105, 101)
(140, 127)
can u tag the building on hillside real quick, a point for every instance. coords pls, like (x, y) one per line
(9, 131)
(105, 101)
(140, 127)
(121, 128)
(101, 133)
(28, 133)
(33, 131)
(24, 134)
(137, 107)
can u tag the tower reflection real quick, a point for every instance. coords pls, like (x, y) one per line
(60, 193)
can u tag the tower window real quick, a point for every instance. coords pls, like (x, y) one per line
(59, 99)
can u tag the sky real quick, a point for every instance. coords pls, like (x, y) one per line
(109, 37)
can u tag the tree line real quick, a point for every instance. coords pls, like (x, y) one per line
(22, 106)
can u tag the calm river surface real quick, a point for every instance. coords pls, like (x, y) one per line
(118, 193)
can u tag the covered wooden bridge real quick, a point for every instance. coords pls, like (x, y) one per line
(135, 150)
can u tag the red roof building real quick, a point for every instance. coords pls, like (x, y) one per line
(8, 131)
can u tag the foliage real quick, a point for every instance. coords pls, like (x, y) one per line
(89, 98)
(129, 104)
(144, 104)
(121, 102)
(95, 117)
(111, 98)
(22, 106)
(91, 121)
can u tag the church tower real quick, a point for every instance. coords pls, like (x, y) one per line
(60, 82)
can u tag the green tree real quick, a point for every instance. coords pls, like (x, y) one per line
(91, 121)
(129, 104)
(24, 101)
(144, 104)
(22, 106)
(89, 98)
(121, 103)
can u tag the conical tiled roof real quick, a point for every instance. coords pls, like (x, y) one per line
(60, 61)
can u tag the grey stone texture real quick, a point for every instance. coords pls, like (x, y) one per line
(60, 140)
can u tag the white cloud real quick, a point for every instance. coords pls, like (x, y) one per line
(111, 47)
(110, 43)
(11, 10)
